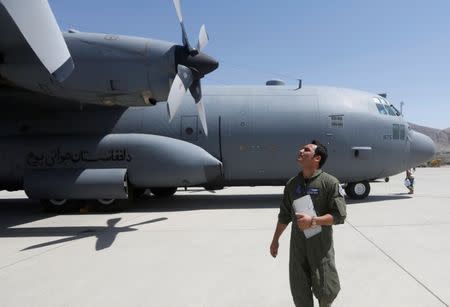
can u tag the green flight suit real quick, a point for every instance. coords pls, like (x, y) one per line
(311, 261)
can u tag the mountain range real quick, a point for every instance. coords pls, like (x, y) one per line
(440, 137)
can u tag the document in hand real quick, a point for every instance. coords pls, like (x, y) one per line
(305, 205)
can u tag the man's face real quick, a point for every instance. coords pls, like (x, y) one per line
(306, 155)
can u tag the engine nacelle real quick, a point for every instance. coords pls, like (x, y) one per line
(74, 163)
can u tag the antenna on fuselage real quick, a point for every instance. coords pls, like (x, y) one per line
(299, 84)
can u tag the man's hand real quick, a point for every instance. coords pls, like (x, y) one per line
(304, 221)
(274, 248)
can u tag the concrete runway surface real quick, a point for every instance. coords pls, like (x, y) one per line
(212, 249)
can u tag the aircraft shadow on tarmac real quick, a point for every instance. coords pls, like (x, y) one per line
(14, 212)
(259, 201)
(105, 234)
(377, 198)
(21, 211)
(210, 202)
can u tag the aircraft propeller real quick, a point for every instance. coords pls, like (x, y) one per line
(192, 65)
(43, 35)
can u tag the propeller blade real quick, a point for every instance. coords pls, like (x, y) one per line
(203, 38)
(202, 115)
(186, 43)
(38, 26)
(178, 9)
(196, 90)
(180, 84)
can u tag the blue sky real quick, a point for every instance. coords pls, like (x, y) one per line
(399, 47)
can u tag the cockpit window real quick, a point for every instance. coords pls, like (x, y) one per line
(384, 107)
(391, 111)
(397, 112)
(381, 109)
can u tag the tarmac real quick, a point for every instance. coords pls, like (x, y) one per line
(203, 248)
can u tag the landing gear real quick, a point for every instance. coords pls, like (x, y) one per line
(106, 201)
(58, 205)
(358, 190)
(111, 204)
(163, 192)
(136, 193)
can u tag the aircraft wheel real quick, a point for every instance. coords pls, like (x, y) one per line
(59, 205)
(358, 190)
(139, 192)
(163, 192)
(111, 204)
(106, 201)
(135, 194)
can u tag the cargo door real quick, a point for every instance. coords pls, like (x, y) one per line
(235, 134)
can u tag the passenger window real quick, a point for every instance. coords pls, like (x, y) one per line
(337, 121)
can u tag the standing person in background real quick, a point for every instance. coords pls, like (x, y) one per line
(410, 180)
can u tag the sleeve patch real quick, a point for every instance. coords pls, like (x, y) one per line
(341, 191)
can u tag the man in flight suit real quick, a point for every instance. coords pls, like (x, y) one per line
(312, 268)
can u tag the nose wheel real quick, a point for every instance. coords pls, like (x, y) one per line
(358, 190)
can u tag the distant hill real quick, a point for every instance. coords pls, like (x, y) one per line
(440, 137)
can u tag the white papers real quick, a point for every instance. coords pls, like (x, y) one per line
(305, 205)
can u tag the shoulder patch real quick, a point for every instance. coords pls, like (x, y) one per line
(341, 191)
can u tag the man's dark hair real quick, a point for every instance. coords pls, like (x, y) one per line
(321, 151)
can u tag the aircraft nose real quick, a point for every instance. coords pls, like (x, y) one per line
(422, 148)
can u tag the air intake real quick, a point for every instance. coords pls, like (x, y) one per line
(274, 82)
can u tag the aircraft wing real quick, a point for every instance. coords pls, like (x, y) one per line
(15, 100)
(30, 34)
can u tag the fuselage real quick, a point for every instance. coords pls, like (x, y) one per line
(254, 131)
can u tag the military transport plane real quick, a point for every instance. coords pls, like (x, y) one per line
(254, 135)
(82, 118)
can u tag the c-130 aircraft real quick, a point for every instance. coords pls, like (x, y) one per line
(60, 153)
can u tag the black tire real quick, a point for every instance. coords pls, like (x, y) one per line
(134, 194)
(358, 190)
(112, 205)
(163, 192)
(60, 205)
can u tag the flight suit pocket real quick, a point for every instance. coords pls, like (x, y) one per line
(325, 281)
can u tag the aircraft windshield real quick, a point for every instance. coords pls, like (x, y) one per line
(384, 107)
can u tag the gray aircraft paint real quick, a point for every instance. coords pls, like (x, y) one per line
(254, 131)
